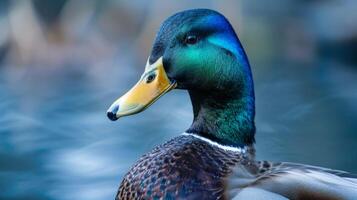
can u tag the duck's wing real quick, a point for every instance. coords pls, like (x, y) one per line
(275, 181)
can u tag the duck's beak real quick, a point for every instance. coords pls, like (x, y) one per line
(152, 85)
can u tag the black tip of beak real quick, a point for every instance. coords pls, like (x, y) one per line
(112, 116)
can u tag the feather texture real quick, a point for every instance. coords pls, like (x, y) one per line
(292, 181)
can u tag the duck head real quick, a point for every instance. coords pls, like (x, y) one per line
(198, 50)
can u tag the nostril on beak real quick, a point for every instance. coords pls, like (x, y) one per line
(112, 116)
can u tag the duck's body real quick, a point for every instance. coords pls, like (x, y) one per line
(185, 167)
(191, 167)
(198, 50)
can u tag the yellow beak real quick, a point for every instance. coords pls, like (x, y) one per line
(152, 85)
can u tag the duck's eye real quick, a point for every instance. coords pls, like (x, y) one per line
(191, 39)
(150, 78)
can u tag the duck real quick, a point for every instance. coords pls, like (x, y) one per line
(199, 51)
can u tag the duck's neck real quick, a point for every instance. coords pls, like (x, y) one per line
(224, 118)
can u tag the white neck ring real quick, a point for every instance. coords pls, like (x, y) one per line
(213, 143)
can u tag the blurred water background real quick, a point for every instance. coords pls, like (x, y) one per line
(63, 62)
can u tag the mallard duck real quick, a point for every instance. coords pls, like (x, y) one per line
(199, 51)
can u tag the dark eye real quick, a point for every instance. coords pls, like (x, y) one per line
(191, 39)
